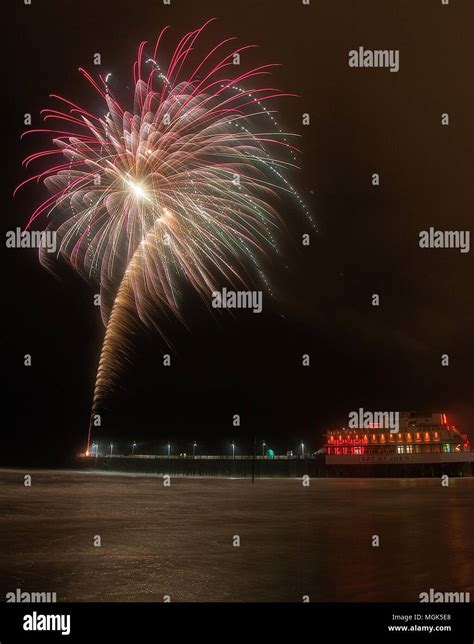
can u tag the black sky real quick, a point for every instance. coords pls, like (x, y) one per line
(363, 121)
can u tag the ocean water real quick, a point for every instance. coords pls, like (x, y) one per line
(182, 540)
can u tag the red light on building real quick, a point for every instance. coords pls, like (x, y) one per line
(427, 432)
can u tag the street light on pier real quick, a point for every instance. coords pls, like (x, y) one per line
(302, 449)
(111, 448)
(233, 449)
(133, 448)
(194, 448)
(169, 449)
(263, 448)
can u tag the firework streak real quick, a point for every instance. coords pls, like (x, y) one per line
(177, 189)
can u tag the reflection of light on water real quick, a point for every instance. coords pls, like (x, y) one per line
(459, 527)
(424, 530)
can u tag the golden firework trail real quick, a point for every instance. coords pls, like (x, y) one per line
(177, 188)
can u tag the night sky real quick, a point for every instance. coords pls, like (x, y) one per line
(362, 121)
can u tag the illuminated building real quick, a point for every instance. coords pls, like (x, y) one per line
(419, 439)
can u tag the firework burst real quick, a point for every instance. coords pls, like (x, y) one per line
(178, 188)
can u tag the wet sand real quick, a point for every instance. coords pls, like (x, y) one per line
(178, 540)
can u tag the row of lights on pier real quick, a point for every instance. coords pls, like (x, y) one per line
(95, 449)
